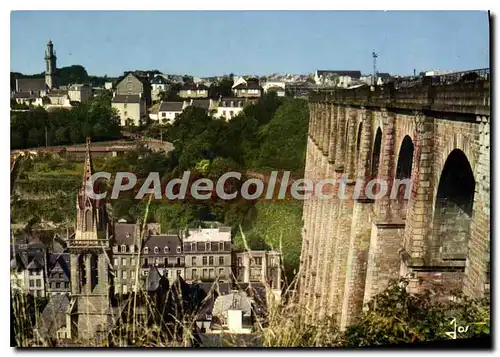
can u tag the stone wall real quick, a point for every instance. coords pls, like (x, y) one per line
(353, 247)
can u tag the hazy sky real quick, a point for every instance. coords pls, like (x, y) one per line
(245, 42)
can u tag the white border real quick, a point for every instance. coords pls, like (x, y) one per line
(195, 5)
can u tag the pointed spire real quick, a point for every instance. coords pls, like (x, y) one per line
(88, 170)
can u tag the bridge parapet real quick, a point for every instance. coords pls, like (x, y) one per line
(429, 93)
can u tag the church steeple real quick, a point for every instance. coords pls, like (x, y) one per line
(50, 65)
(91, 212)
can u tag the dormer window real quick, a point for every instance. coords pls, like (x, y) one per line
(221, 246)
(132, 248)
(193, 247)
(166, 249)
(178, 249)
(207, 246)
(156, 250)
(124, 248)
(146, 250)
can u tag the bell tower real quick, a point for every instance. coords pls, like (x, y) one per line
(89, 250)
(50, 66)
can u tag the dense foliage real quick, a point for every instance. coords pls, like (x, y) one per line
(38, 127)
(75, 74)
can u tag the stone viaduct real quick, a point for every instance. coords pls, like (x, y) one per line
(434, 131)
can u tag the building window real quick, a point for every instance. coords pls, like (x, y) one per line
(124, 288)
(132, 262)
(239, 261)
(146, 272)
(132, 274)
(157, 261)
(258, 261)
(179, 272)
(193, 247)
(125, 113)
(124, 262)
(221, 260)
(166, 261)
(221, 246)
(115, 262)
(61, 275)
(38, 283)
(66, 285)
(163, 114)
(32, 283)
(124, 274)
(193, 261)
(223, 113)
(146, 250)
(124, 248)
(210, 260)
(194, 273)
(178, 261)
(125, 105)
(221, 272)
(146, 261)
(157, 250)
(58, 285)
(166, 250)
(204, 260)
(207, 246)
(132, 248)
(178, 249)
(230, 113)
(205, 273)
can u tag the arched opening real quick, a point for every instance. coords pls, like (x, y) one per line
(376, 153)
(82, 271)
(403, 173)
(88, 220)
(94, 272)
(358, 143)
(453, 207)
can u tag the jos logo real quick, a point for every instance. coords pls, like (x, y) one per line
(459, 329)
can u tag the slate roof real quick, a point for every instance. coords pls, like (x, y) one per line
(201, 103)
(62, 260)
(171, 107)
(158, 80)
(30, 84)
(172, 241)
(154, 280)
(126, 98)
(353, 74)
(384, 75)
(193, 86)
(248, 85)
(53, 316)
(234, 300)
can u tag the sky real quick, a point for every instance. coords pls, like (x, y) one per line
(206, 43)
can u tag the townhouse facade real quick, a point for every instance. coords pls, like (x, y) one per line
(207, 254)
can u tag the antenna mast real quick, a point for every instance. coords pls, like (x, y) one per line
(374, 55)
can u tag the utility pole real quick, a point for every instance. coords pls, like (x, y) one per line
(374, 55)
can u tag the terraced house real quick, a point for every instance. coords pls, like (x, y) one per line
(208, 254)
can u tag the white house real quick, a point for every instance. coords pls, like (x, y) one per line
(158, 85)
(130, 107)
(228, 108)
(80, 93)
(169, 111)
